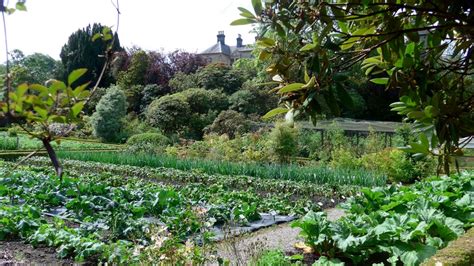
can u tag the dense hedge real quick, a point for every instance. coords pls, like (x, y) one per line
(459, 252)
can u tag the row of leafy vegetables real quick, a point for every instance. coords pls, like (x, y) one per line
(394, 225)
(99, 216)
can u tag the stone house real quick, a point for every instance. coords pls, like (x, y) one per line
(223, 53)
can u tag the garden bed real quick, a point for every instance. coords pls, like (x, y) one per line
(317, 175)
(394, 224)
(92, 216)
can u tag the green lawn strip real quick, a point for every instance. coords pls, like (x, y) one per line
(316, 175)
(27, 143)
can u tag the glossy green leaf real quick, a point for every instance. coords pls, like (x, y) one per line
(75, 74)
(380, 81)
(39, 88)
(410, 49)
(246, 13)
(42, 112)
(308, 47)
(77, 108)
(291, 87)
(263, 55)
(96, 36)
(265, 42)
(20, 6)
(21, 90)
(242, 21)
(275, 112)
(257, 7)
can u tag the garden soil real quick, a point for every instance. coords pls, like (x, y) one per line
(19, 253)
(241, 250)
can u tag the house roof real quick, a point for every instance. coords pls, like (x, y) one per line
(218, 48)
(221, 48)
(245, 48)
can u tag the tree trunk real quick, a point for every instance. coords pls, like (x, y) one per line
(53, 157)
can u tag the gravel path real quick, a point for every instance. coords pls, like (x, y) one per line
(241, 250)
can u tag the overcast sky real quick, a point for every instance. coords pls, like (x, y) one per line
(191, 25)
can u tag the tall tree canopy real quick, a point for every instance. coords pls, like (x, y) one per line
(82, 51)
(34, 68)
(422, 48)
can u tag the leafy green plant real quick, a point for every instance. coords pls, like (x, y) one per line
(170, 113)
(315, 174)
(229, 122)
(107, 121)
(406, 46)
(395, 224)
(8, 143)
(283, 142)
(273, 258)
(286, 189)
(41, 109)
(147, 142)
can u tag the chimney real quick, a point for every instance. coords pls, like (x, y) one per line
(221, 37)
(239, 41)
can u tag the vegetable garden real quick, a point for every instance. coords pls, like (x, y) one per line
(119, 213)
(104, 212)
(162, 159)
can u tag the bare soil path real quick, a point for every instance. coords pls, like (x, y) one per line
(241, 250)
(19, 253)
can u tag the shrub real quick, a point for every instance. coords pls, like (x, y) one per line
(283, 142)
(181, 82)
(136, 126)
(202, 101)
(84, 128)
(404, 135)
(309, 142)
(13, 131)
(7, 143)
(374, 142)
(333, 139)
(171, 113)
(220, 76)
(156, 139)
(147, 142)
(94, 100)
(134, 97)
(229, 122)
(243, 101)
(344, 158)
(261, 98)
(135, 74)
(107, 121)
(397, 165)
(205, 106)
(149, 93)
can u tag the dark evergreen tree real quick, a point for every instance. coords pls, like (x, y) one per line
(82, 52)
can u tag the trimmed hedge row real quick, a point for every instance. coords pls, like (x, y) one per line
(459, 252)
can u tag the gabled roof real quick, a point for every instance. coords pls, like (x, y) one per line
(245, 48)
(218, 48)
